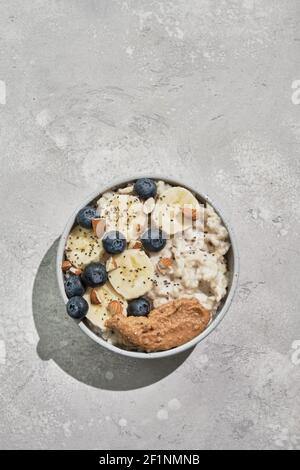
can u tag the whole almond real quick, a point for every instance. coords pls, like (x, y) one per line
(66, 265)
(115, 307)
(149, 205)
(94, 298)
(99, 226)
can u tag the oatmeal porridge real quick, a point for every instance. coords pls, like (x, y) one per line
(145, 265)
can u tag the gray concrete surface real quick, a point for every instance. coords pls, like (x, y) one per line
(98, 89)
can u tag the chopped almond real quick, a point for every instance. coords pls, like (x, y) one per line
(149, 205)
(191, 213)
(111, 264)
(127, 190)
(98, 226)
(164, 264)
(75, 271)
(66, 265)
(94, 298)
(135, 244)
(115, 307)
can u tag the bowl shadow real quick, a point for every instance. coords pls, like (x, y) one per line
(61, 340)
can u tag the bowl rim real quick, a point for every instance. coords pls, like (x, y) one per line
(215, 322)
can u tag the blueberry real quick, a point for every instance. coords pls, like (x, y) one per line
(94, 275)
(74, 286)
(139, 307)
(77, 307)
(114, 242)
(85, 216)
(145, 188)
(153, 240)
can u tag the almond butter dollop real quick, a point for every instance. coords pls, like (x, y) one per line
(166, 327)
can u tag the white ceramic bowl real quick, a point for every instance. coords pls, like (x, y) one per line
(233, 266)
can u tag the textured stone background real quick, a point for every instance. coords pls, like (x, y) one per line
(100, 89)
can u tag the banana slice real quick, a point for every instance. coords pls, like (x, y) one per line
(123, 212)
(97, 314)
(134, 275)
(83, 247)
(169, 210)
